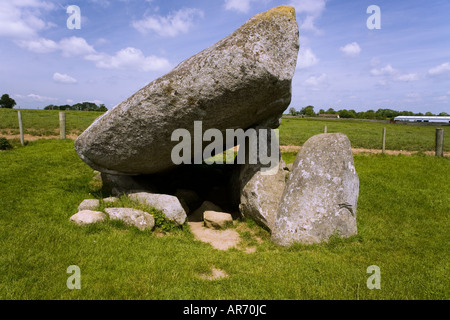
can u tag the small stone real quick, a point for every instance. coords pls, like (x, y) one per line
(133, 217)
(86, 217)
(89, 204)
(169, 205)
(110, 199)
(217, 220)
(197, 215)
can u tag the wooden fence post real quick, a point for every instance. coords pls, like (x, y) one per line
(439, 142)
(325, 129)
(62, 125)
(384, 140)
(22, 140)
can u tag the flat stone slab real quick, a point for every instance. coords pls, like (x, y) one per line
(169, 205)
(89, 204)
(86, 217)
(133, 217)
(217, 220)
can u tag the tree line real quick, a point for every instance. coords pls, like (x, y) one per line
(8, 103)
(380, 114)
(83, 106)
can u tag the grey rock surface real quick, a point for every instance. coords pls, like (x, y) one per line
(85, 217)
(217, 220)
(89, 204)
(242, 80)
(169, 205)
(132, 217)
(321, 194)
(260, 191)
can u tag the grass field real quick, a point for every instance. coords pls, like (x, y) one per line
(45, 122)
(293, 131)
(365, 134)
(403, 219)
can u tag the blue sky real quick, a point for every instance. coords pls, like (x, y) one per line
(125, 44)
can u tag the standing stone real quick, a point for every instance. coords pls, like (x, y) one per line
(261, 191)
(132, 217)
(169, 205)
(321, 194)
(241, 81)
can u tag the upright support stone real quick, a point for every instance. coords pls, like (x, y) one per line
(321, 193)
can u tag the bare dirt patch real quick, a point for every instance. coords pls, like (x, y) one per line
(216, 274)
(29, 137)
(219, 239)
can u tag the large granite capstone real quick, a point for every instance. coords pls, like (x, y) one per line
(241, 81)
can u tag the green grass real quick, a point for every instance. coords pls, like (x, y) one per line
(45, 122)
(293, 131)
(403, 214)
(365, 134)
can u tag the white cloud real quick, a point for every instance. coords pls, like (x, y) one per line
(445, 67)
(22, 19)
(172, 25)
(64, 78)
(69, 47)
(103, 3)
(315, 81)
(441, 99)
(129, 58)
(35, 97)
(39, 45)
(312, 8)
(75, 46)
(306, 58)
(407, 77)
(387, 70)
(394, 74)
(242, 6)
(351, 50)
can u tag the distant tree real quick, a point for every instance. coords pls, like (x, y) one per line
(347, 114)
(429, 114)
(443, 114)
(7, 102)
(330, 111)
(103, 108)
(308, 111)
(321, 111)
(370, 114)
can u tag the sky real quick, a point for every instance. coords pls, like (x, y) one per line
(120, 46)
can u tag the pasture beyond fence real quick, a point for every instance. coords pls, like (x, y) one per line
(362, 134)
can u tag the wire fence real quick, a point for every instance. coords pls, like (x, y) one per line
(293, 132)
